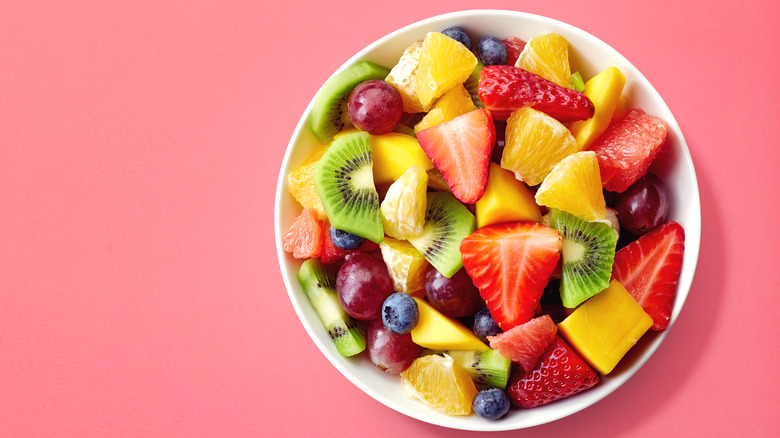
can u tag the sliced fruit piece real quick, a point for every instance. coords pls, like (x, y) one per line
(329, 108)
(649, 269)
(472, 85)
(514, 47)
(605, 327)
(436, 331)
(504, 88)
(436, 181)
(300, 181)
(304, 238)
(447, 223)
(318, 282)
(455, 102)
(461, 149)
(393, 154)
(576, 82)
(443, 64)
(588, 252)
(574, 185)
(621, 109)
(547, 56)
(440, 383)
(345, 184)
(505, 200)
(487, 367)
(333, 254)
(561, 373)
(405, 265)
(627, 148)
(511, 264)
(403, 209)
(604, 91)
(526, 342)
(402, 76)
(534, 144)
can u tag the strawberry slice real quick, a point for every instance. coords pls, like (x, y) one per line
(649, 268)
(526, 342)
(561, 373)
(461, 149)
(511, 264)
(506, 88)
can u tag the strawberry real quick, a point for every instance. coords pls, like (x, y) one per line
(526, 342)
(461, 150)
(514, 47)
(510, 264)
(649, 268)
(506, 88)
(560, 373)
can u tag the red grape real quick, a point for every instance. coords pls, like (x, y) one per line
(375, 107)
(363, 284)
(390, 352)
(643, 206)
(456, 296)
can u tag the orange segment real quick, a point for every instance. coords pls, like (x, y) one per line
(548, 56)
(440, 383)
(574, 185)
(535, 142)
(455, 102)
(300, 181)
(443, 64)
(404, 204)
(405, 265)
(402, 76)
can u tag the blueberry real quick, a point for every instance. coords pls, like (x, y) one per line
(400, 313)
(460, 35)
(492, 51)
(484, 325)
(345, 240)
(491, 403)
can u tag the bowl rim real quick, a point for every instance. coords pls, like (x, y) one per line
(609, 383)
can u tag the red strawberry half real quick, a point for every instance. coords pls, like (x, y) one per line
(526, 342)
(461, 149)
(506, 88)
(561, 373)
(511, 264)
(626, 149)
(649, 268)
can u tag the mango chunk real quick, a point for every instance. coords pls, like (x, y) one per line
(506, 199)
(439, 332)
(605, 327)
(604, 91)
(394, 154)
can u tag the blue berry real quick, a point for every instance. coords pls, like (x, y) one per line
(492, 51)
(491, 403)
(345, 240)
(400, 313)
(484, 325)
(460, 35)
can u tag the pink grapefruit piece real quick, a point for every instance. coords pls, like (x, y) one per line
(526, 342)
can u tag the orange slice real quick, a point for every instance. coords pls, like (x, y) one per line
(440, 383)
(405, 265)
(443, 64)
(300, 181)
(548, 56)
(574, 185)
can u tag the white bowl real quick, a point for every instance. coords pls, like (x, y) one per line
(589, 55)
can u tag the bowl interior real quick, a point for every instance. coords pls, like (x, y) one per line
(588, 55)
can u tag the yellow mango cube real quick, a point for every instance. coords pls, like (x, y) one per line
(393, 154)
(506, 200)
(604, 91)
(437, 331)
(605, 327)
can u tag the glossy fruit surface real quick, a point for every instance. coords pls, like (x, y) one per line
(400, 313)
(363, 284)
(548, 56)
(491, 51)
(643, 206)
(444, 63)
(574, 186)
(375, 107)
(390, 352)
(456, 296)
(484, 325)
(405, 265)
(345, 240)
(403, 209)
(514, 47)
(491, 403)
(459, 35)
(304, 239)
(525, 343)
(441, 384)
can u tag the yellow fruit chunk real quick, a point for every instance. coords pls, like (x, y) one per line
(436, 181)
(548, 56)
(402, 76)
(605, 327)
(405, 265)
(506, 200)
(621, 109)
(300, 181)
(535, 142)
(604, 91)
(455, 102)
(574, 185)
(443, 64)
(404, 205)
(394, 153)
(440, 332)
(440, 383)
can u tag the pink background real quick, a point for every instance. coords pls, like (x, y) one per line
(140, 146)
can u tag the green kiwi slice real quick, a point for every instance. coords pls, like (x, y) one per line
(487, 367)
(319, 283)
(447, 223)
(472, 85)
(588, 253)
(329, 109)
(344, 181)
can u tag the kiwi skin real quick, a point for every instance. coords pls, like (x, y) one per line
(329, 107)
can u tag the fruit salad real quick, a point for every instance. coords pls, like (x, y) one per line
(479, 219)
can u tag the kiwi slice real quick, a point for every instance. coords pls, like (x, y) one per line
(344, 181)
(329, 109)
(472, 85)
(447, 223)
(587, 253)
(319, 283)
(487, 367)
